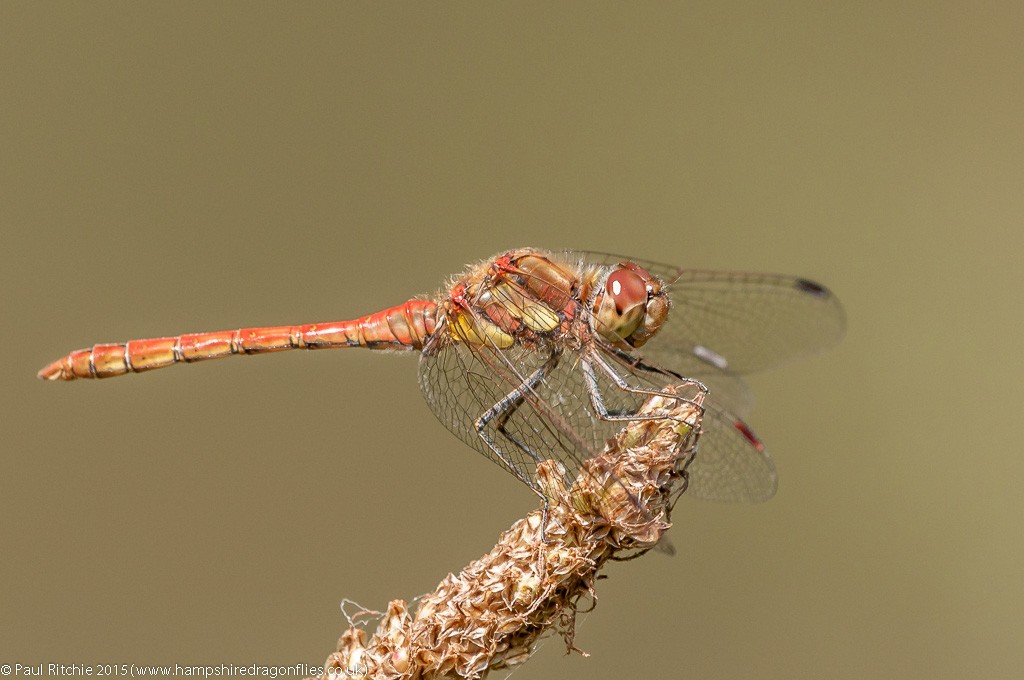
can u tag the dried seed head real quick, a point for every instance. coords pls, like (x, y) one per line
(527, 588)
(492, 613)
(400, 660)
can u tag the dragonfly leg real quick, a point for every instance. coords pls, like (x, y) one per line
(504, 409)
(640, 364)
(729, 390)
(500, 413)
(531, 382)
(597, 401)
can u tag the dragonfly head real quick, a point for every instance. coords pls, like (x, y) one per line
(631, 306)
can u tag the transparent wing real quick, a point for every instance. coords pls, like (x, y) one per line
(530, 401)
(553, 419)
(726, 324)
(730, 463)
(461, 383)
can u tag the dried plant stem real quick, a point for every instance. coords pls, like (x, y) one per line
(492, 613)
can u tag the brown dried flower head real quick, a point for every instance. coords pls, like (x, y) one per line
(492, 613)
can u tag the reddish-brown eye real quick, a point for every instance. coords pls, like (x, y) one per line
(627, 289)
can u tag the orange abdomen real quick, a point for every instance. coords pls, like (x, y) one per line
(406, 326)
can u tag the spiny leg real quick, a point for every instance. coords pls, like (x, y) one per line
(531, 382)
(682, 472)
(590, 358)
(587, 361)
(504, 409)
(641, 365)
(597, 401)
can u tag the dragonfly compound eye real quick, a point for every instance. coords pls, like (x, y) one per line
(627, 290)
(640, 303)
(622, 305)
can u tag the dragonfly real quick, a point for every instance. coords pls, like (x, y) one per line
(533, 355)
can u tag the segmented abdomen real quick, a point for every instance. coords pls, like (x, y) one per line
(406, 326)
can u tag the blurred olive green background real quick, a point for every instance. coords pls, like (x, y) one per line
(184, 167)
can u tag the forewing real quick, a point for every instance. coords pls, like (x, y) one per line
(726, 324)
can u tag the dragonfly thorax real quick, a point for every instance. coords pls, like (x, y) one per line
(523, 297)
